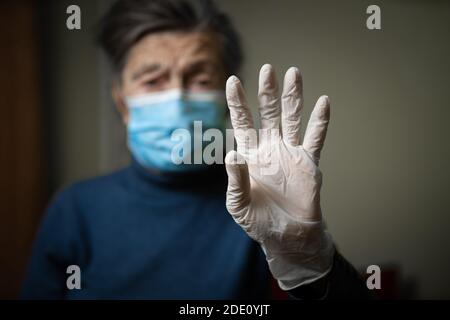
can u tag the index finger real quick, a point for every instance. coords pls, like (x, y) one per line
(241, 117)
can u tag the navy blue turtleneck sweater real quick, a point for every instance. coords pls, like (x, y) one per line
(140, 235)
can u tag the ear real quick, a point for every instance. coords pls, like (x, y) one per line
(119, 101)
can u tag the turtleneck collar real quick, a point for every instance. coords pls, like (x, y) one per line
(212, 177)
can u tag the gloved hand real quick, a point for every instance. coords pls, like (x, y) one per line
(274, 192)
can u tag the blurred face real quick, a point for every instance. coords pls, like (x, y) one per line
(169, 60)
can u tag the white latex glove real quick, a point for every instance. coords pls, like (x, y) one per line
(277, 201)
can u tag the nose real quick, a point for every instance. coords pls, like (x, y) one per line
(176, 81)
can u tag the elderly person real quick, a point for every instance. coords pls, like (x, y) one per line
(160, 229)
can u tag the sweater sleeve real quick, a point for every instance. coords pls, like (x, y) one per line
(58, 245)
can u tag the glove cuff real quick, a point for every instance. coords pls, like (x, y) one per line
(293, 269)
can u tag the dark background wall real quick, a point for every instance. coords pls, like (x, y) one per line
(23, 187)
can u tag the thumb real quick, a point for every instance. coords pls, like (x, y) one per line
(238, 192)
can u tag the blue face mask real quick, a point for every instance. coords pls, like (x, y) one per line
(154, 117)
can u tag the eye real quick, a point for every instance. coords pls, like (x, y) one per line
(204, 82)
(199, 83)
(154, 83)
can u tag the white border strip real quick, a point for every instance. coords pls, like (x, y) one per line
(158, 97)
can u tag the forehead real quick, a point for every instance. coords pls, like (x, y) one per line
(174, 49)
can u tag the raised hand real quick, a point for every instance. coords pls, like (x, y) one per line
(274, 185)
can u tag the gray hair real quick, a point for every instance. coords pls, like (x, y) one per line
(128, 21)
